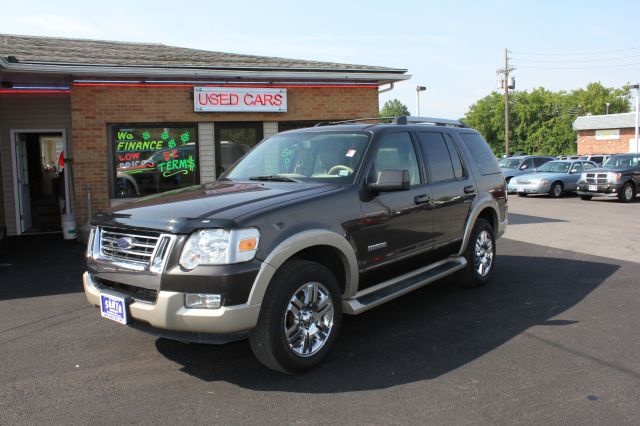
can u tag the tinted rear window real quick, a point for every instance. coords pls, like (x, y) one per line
(481, 153)
(437, 157)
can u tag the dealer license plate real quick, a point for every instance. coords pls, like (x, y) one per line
(113, 308)
(593, 187)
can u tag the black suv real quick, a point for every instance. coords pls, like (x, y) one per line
(308, 225)
(619, 177)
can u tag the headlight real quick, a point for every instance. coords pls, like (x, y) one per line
(219, 247)
(583, 177)
(613, 177)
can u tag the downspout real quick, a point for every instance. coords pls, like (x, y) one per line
(388, 89)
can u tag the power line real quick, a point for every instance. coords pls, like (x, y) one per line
(581, 68)
(574, 53)
(576, 60)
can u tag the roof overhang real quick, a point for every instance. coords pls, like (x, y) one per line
(601, 122)
(202, 73)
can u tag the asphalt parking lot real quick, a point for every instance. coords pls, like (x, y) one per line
(552, 340)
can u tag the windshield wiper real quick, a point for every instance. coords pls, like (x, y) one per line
(273, 178)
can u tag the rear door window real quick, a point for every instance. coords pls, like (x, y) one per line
(480, 153)
(436, 156)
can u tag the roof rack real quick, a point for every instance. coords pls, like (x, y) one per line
(401, 120)
(355, 120)
(404, 119)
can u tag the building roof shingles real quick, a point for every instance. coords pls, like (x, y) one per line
(68, 51)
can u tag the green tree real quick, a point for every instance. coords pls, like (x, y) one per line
(541, 120)
(394, 108)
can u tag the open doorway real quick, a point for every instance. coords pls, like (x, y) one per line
(39, 178)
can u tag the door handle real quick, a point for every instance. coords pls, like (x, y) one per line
(421, 199)
(469, 189)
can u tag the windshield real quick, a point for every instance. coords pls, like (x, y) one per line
(510, 163)
(555, 167)
(620, 161)
(309, 156)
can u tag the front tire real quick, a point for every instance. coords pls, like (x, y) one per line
(627, 193)
(586, 197)
(480, 255)
(300, 318)
(556, 190)
(522, 194)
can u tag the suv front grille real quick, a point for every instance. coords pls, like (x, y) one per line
(129, 245)
(597, 178)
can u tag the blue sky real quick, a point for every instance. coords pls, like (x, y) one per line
(454, 48)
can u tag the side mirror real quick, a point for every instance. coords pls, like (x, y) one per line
(390, 180)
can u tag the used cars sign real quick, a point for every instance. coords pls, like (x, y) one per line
(224, 99)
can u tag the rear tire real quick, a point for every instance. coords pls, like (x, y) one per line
(586, 197)
(480, 255)
(556, 189)
(627, 193)
(300, 318)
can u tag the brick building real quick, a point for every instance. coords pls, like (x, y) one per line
(606, 134)
(133, 119)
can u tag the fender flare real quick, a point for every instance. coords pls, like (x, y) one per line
(294, 244)
(473, 216)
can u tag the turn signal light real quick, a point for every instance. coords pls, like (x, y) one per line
(248, 244)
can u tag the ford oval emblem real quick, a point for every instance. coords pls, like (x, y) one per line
(124, 243)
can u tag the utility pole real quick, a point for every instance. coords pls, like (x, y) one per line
(637, 87)
(506, 85)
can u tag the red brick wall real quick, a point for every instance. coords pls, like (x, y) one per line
(587, 143)
(93, 108)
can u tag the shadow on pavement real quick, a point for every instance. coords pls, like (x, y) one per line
(429, 333)
(41, 265)
(525, 219)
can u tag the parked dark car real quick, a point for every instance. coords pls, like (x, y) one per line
(619, 177)
(517, 165)
(308, 225)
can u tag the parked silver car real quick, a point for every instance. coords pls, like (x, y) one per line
(554, 178)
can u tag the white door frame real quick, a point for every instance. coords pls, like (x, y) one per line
(14, 175)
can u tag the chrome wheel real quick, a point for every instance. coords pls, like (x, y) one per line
(557, 190)
(308, 319)
(483, 253)
(628, 192)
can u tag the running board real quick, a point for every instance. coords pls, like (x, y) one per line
(396, 287)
